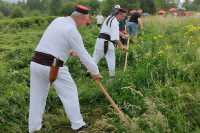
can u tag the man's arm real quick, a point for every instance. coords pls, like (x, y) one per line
(140, 23)
(124, 36)
(121, 46)
(77, 45)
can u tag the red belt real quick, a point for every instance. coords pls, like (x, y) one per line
(123, 31)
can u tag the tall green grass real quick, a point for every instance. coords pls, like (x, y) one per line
(159, 92)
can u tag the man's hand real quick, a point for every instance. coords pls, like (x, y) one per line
(97, 76)
(122, 47)
(126, 37)
(73, 53)
(142, 28)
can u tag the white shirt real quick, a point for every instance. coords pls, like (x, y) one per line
(112, 30)
(99, 19)
(60, 37)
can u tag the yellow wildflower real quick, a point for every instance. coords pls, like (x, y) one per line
(160, 36)
(160, 52)
(168, 47)
(191, 36)
(191, 30)
(188, 43)
(154, 37)
(194, 43)
(186, 26)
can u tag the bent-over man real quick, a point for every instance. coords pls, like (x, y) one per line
(60, 40)
(132, 24)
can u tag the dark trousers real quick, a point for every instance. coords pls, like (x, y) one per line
(124, 41)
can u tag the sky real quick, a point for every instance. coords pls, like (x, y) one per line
(14, 1)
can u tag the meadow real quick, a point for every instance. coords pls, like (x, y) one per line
(159, 91)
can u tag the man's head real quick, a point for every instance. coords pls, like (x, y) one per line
(100, 13)
(140, 11)
(117, 7)
(79, 14)
(120, 14)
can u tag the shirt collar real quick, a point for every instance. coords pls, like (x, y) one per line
(72, 21)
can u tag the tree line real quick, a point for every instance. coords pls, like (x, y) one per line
(63, 7)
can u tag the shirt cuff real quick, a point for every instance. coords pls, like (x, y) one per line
(96, 72)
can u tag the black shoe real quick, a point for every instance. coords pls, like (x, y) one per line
(87, 74)
(87, 124)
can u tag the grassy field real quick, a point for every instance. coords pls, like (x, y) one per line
(159, 92)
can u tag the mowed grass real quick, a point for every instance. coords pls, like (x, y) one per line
(159, 91)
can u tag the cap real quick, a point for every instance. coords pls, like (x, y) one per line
(81, 9)
(117, 6)
(122, 10)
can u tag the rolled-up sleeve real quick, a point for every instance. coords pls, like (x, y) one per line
(76, 43)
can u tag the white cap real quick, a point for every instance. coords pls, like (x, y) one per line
(117, 6)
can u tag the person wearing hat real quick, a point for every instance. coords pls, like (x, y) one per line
(60, 40)
(122, 26)
(109, 34)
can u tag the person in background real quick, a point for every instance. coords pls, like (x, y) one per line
(188, 14)
(99, 20)
(122, 29)
(198, 14)
(171, 14)
(87, 22)
(132, 24)
(60, 40)
(109, 34)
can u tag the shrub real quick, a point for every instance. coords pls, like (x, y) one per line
(1, 15)
(17, 13)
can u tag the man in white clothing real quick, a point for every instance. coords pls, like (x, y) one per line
(60, 40)
(99, 20)
(109, 34)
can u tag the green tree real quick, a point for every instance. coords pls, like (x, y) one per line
(34, 4)
(193, 6)
(46, 6)
(54, 6)
(1, 15)
(94, 4)
(108, 5)
(5, 8)
(21, 4)
(186, 4)
(17, 12)
(66, 8)
(148, 6)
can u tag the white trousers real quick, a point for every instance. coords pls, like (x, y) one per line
(110, 58)
(65, 88)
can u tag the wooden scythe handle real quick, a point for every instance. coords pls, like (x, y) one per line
(126, 56)
(119, 112)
